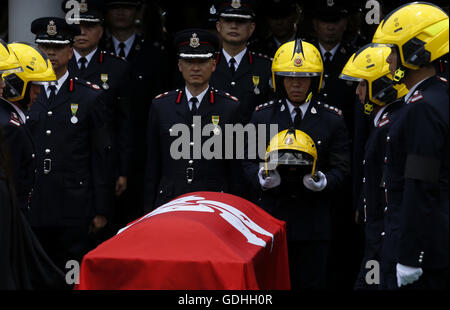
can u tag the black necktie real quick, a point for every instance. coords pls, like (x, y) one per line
(297, 118)
(232, 67)
(122, 49)
(52, 95)
(83, 62)
(194, 108)
(327, 61)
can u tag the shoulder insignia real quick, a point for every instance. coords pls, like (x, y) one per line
(417, 96)
(442, 79)
(261, 55)
(113, 55)
(14, 119)
(384, 120)
(84, 83)
(225, 94)
(332, 109)
(161, 95)
(264, 105)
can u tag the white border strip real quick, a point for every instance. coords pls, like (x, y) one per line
(52, 41)
(183, 55)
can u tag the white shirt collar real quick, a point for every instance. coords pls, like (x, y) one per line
(413, 89)
(303, 107)
(332, 51)
(238, 57)
(128, 44)
(199, 97)
(88, 57)
(58, 84)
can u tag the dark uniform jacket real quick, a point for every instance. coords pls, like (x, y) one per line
(267, 46)
(71, 180)
(117, 99)
(20, 147)
(416, 218)
(337, 92)
(167, 177)
(372, 201)
(307, 213)
(254, 72)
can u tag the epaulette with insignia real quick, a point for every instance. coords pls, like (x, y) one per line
(417, 95)
(442, 79)
(166, 94)
(14, 119)
(261, 55)
(107, 54)
(82, 82)
(265, 105)
(225, 94)
(331, 108)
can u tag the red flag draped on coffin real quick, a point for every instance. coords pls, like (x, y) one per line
(201, 240)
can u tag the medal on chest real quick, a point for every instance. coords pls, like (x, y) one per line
(255, 80)
(74, 110)
(104, 78)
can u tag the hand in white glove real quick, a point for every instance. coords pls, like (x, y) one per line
(407, 275)
(315, 186)
(273, 180)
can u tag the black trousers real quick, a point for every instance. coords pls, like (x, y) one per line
(308, 264)
(64, 244)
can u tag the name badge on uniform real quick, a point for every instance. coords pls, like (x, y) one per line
(104, 78)
(215, 121)
(255, 80)
(74, 109)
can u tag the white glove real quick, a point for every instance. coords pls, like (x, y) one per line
(273, 180)
(407, 275)
(315, 186)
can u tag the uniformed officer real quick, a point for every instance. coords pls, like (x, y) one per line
(23, 262)
(415, 240)
(112, 73)
(169, 174)
(22, 88)
(376, 92)
(298, 69)
(240, 72)
(67, 124)
(282, 18)
(330, 21)
(120, 17)
(148, 63)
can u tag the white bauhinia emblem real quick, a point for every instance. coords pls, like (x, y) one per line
(233, 216)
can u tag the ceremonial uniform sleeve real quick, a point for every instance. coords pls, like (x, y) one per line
(153, 160)
(251, 163)
(424, 220)
(339, 156)
(13, 139)
(100, 142)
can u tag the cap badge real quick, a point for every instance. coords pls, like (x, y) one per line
(298, 62)
(51, 28)
(83, 6)
(194, 41)
(236, 4)
(212, 10)
(289, 140)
